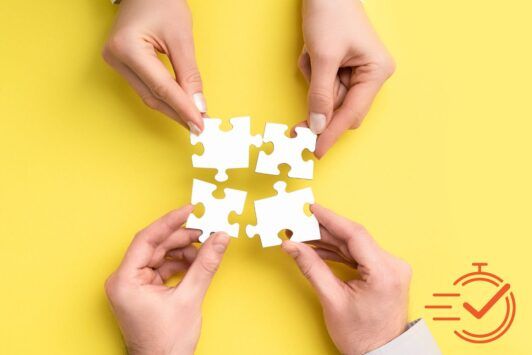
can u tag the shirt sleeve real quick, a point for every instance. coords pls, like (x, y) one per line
(416, 340)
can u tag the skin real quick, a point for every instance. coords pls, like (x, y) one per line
(343, 60)
(156, 319)
(345, 64)
(360, 314)
(144, 28)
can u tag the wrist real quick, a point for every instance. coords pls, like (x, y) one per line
(368, 341)
(383, 339)
(176, 349)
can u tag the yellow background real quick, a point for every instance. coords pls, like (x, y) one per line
(440, 171)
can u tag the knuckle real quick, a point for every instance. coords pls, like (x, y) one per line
(210, 265)
(112, 286)
(306, 270)
(116, 45)
(162, 89)
(387, 66)
(324, 56)
(320, 97)
(357, 121)
(358, 229)
(405, 270)
(192, 76)
(151, 102)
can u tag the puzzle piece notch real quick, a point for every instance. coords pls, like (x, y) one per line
(224, 150)
(284, 211)
(287, 150)
(215, 218)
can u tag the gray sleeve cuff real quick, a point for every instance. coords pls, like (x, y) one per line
(416, 340)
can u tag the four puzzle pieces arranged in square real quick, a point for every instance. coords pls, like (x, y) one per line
(225, 150)
(284, 211)
(215, 217)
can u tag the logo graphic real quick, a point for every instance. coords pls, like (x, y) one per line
(488, 318)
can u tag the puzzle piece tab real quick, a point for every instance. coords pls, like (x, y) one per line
(224, 150)
(215, 218)
(284, 211)
(287, 150)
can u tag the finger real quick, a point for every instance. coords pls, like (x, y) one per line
(315, 270)
(181, 238)
(183, 59)
(340, 83)
(142, 90)
(321, 93)
(163, 86)
(350, 114)
(322, 244)
(187, 254)
(361, 245)
(179, 241)
(340, 86)
(171, 268)
(199, 276)
(335, 244)
(329, 255)
(141, 250)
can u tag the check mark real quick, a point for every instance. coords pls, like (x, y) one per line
(487, 306)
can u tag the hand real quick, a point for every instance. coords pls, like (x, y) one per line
(143, 28)
(154, 318)
(361, 314)
(345, 63)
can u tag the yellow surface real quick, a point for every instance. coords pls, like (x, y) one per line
(440, 172)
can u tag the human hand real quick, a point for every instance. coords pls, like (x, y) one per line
(143, 28)
(361, 314)
(154, 318)
(345, 63)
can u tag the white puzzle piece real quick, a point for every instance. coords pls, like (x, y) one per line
(215, 218)
(284, 211)
(287, 150)
(224, 150)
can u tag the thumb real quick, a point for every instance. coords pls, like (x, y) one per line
(183, 59)
(321, 94)
(199, 276)
(314, 269)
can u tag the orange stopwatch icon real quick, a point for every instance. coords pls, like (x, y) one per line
(500, 296)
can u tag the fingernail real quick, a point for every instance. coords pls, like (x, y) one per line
(317, 122)
(290, 248)
(194, 128)
(220, 242)
(199, 101)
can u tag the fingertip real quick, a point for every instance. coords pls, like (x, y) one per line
(220, 242)
(199, 102)
(317, 122)
(194, 128)
(291, 248)
(321, 149)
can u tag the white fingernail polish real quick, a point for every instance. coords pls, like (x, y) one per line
(193, 128)
(199, 101)
(317, 122)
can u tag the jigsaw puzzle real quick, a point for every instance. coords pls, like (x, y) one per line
(284, 211)
(287, 150)
(224, 150)
(215, 218)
